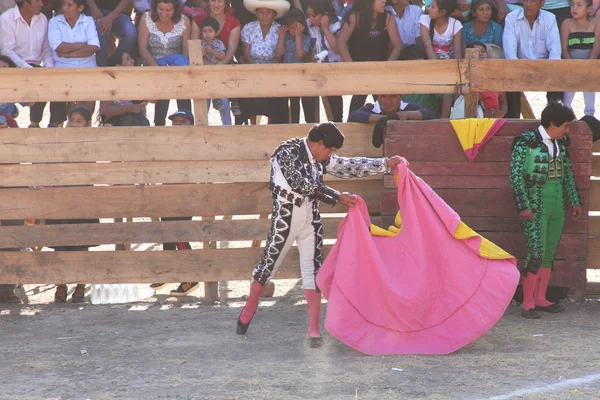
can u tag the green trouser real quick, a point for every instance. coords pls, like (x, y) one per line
(544, 232)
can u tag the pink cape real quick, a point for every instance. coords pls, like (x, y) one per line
(420, 292)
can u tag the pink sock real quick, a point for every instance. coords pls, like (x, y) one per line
(529, 284)
(542, 286)
(252, 303)
(313, 299)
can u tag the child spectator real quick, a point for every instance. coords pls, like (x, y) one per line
(493, 103)
(441, 34)
(294, 46)
(580, 39)
(213, 51)
(123, 112)
(439, 104)
(163, 40)
(407, 19)
(323, 24)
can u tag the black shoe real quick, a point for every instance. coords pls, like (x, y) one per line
(315, 342)
(555, 308)
(241, 327)
(530, 314)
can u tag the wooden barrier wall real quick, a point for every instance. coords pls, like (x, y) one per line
(480, 190)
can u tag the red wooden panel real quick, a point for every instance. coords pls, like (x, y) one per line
(477, 168)
(474, 182)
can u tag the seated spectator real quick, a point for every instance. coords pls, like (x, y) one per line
(213, 51)
(112, 19)
(79, 117)
(193, 8)
(464, 9)
(439, 104)
(259, 42)
(407, 20)
(294, 47)
(73, 39)
(180, 118)
(24, 40)
(389, 105)
(482, 28)
(123, 112)
(323, 24)
(143, 6)
(368, 33)
(163, 40)
(441, 34)
(229, 27)
(494, 104)
(520, 27)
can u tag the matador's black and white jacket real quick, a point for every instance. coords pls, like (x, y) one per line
(297, 187)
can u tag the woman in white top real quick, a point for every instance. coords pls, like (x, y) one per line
(73, 37)
(441, 34)
(163, 37)
(407, 20)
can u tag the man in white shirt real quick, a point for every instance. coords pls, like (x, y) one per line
(24, 39)
(529, 34)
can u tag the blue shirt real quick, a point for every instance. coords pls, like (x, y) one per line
(492, 35)
(521, 42)
(289, 53)
(84, 31)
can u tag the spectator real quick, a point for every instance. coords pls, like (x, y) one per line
(294, 47)
(229, 27)
(6, 5)
(142, 6)
(180, 118)
(323, 24)
(163, 40)
(368, 33)
(439, 104)
(482, 28)
(464, 9)
(441, 34)
(389, 105)
(213, 51)
(529, 34)
(407, 20)
(112, 19)
(24, 39)
(493, 103)
(73, 39)
(79, 117)
(8, 109)
(123, 112)
(259, 42)
(193, 8)
(580, 38)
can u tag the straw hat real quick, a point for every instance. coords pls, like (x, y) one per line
(279, 6)
(494, 52)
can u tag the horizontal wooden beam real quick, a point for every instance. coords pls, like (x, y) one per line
(535, 75)
(137, 266)
(144, 232)
(159, 201)
(124, 173)
(230, 81)
(191, 143)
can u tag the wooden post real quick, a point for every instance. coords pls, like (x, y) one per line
(200, 108)
(471, 97)
(526, 109)
(211, 289)
(327, 108)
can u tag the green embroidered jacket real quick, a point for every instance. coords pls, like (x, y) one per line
(530, 167)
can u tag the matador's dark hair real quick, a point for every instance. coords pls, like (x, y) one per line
(329, 133)
(556, 114)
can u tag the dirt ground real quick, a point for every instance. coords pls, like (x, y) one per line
(164, 348)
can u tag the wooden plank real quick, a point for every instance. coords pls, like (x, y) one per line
(595, 164)
(471, 97)
(470, 202)
(446, 148)
(158, 201)
(594, 225)
(200, 106)
(119, 173)
(526, 109)
(144, 232)
(593, 253)
(478, 168)
(229, 81)
(535, 75)
(184, 143)
(137, 266)
(594, 199)
(474, 182)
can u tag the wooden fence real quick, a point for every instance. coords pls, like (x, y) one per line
(203, 170)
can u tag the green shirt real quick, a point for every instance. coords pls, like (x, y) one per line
(431, 101)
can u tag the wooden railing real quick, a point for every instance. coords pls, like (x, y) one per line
(203, 170)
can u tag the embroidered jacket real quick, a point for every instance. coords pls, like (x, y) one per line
(297, 176)
(530, 167)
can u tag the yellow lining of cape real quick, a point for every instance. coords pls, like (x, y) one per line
(487, 249)
(471, 131)
(390, 231)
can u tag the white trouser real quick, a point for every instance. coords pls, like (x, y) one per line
(288, 224)
(589, 99)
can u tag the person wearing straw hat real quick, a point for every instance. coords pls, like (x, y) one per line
(297, 188)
